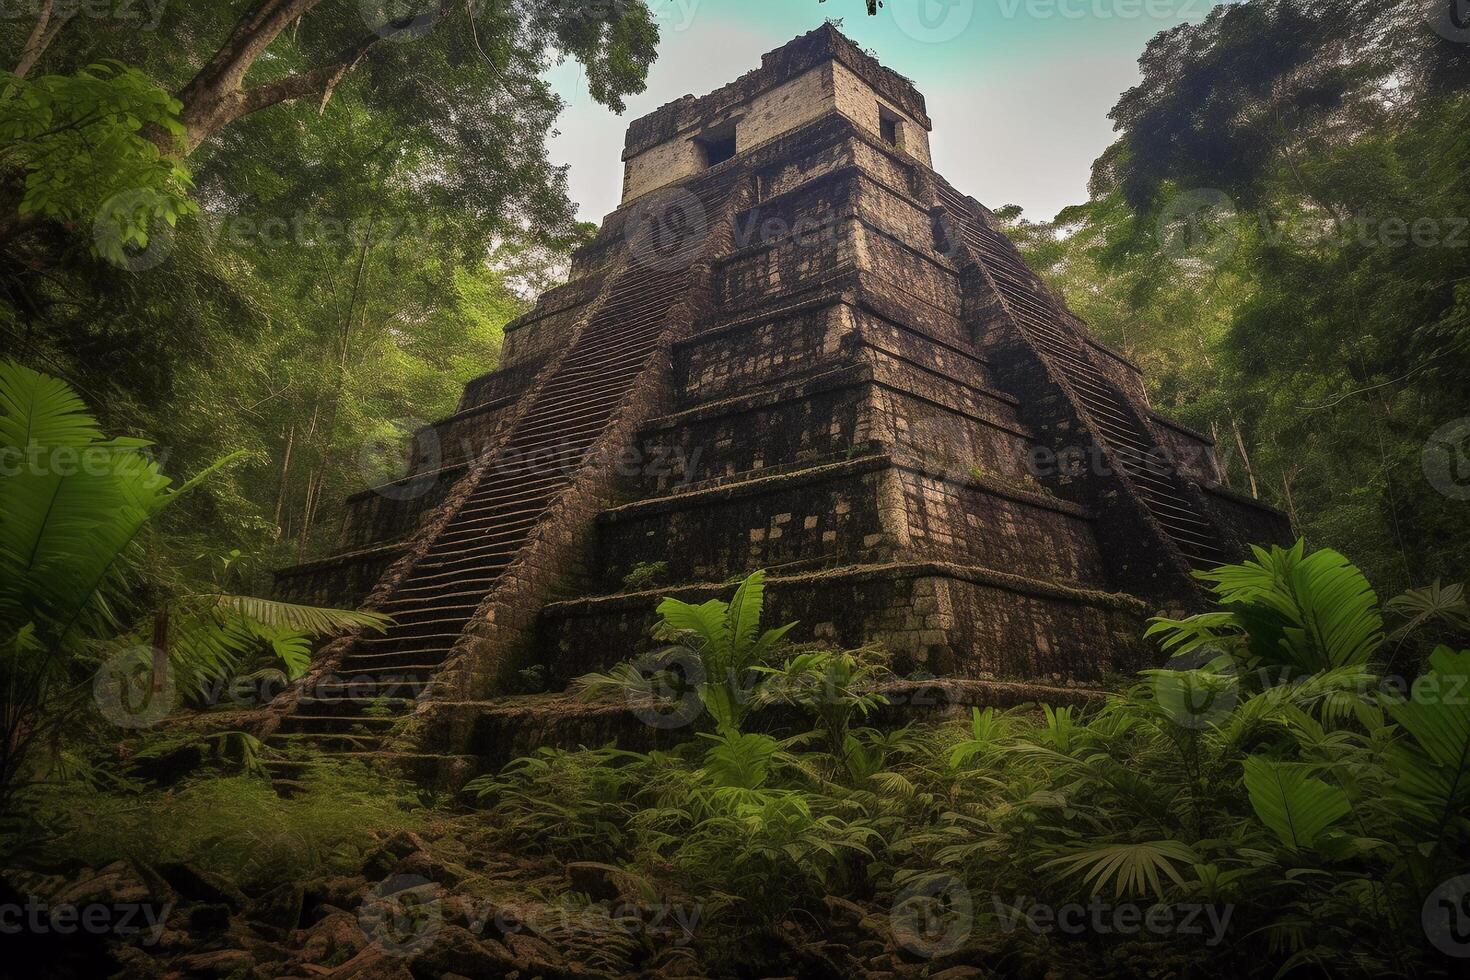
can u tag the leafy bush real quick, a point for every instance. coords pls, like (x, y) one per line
(80, 142)
(1284, 781)
(237, 827)
(724, 638)
(646, 575)
(75, 590)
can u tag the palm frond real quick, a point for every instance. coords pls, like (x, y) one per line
(1133, 869)
(1434, 603)
(39, 410)
(312, 620)
(1434, 771)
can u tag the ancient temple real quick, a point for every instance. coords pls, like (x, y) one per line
(793, 347)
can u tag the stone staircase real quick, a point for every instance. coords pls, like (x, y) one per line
(377, 680)
(1047, 328)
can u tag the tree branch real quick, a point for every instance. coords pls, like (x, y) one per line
(317, 81)
(217, 97)
(226, 71)
(41, 37)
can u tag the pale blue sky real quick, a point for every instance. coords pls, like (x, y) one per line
(1019, 90)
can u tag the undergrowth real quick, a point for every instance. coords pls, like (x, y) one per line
(236, 826)
(1274, 780)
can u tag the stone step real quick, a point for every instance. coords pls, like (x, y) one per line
(1030, 304)
(351, 706)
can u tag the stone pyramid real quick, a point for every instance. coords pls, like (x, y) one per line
(793, 347)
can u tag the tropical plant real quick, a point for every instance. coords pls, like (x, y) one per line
(1321, 804)
(1312, 808)
(726, 644)
(1286, 610)
(833, 686)
(74, 512)
(646, 575)
(1444, 605)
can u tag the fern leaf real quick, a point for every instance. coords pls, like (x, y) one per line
(311, 620)
(1434, 771)
(705, 620)
(39, 410)
(745, 617)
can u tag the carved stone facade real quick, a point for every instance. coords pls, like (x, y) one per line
(814, 357)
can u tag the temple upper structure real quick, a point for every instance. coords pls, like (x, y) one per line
(818, 75)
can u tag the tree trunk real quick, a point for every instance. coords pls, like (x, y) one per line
(285, 475)
(160, 649)
(1222, 461)
(1245, 458)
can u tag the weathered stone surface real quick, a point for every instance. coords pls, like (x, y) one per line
(845, 375)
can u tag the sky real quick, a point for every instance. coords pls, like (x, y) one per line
(1019, 90)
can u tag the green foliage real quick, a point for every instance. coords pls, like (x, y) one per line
(834, 686)
(1312, 806)
(81, 141)
(1434, 769)
(575, 803)
(1240, 244)
(1133, 869)
(75, 510)
(1296, 806)
(352, 262)
(646, 575)
(1285, 609)
(212, 637)
(1441, 604)
(72, 506)
(236, 826)
(727, 641)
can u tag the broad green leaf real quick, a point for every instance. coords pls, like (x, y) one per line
(1296, 806)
